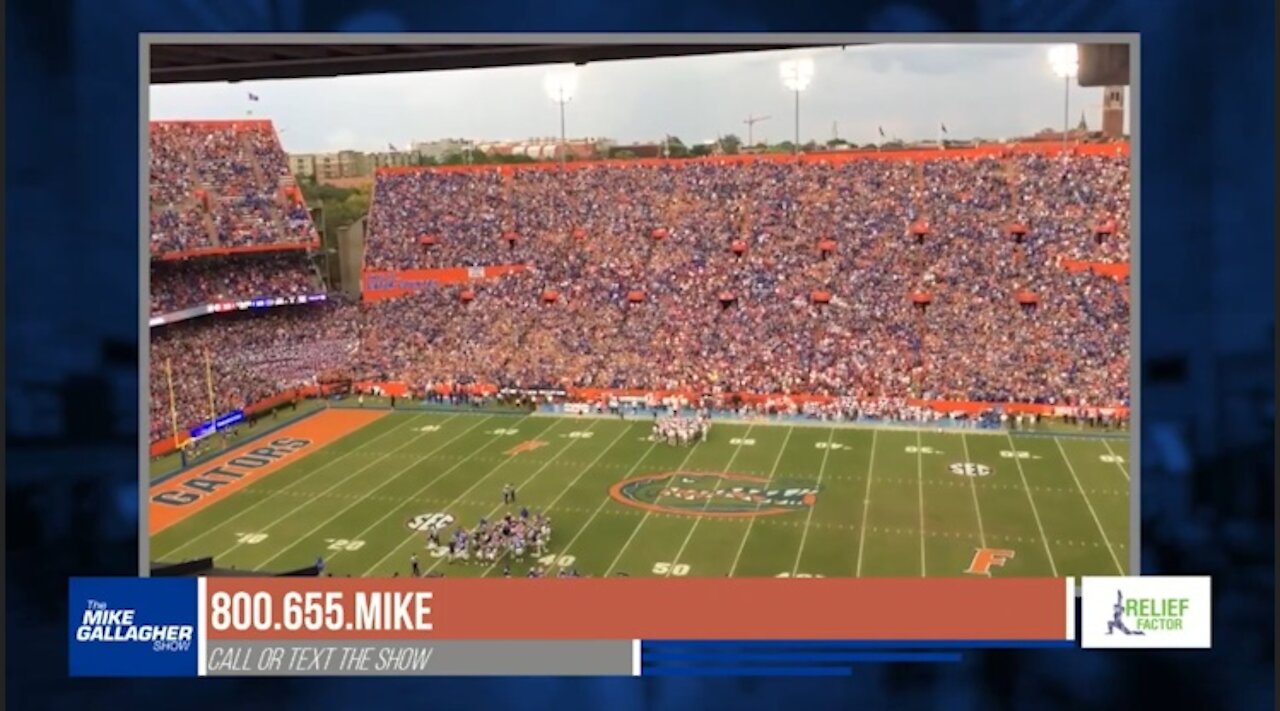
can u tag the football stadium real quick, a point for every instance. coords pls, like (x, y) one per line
(830, 360)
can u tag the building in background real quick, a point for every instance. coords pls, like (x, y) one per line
(1113, 112)
(437, 150)
(546, 148)
(329, 166)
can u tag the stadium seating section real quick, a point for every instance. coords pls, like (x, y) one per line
(941, 279)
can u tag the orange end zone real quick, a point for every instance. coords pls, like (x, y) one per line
(215, 480)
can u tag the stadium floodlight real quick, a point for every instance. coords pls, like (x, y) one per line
(560, 86)
(1064, 59)
(796, 76)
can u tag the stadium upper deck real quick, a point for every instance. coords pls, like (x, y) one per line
(219, 186)
(940, 279)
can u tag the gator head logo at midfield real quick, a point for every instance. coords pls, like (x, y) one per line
(713, 494)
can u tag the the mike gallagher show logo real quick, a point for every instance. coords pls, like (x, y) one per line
(132, 627)
(1146, 612)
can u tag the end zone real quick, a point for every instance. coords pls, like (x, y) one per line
(179, 497)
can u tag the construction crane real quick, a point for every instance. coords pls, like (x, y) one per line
(751, 125)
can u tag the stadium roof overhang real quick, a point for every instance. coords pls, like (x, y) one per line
(1100, 64)
(175, 63)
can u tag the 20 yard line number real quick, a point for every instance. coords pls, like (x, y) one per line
(344, 544)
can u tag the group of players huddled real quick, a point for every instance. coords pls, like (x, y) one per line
(676, 430)
(511, 536)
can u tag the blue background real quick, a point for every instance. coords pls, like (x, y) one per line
(1207, 289)
(162, 601)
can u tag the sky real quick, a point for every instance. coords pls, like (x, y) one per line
(983, 91)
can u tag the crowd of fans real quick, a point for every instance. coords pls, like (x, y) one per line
(703, 277)
(221, 185)
(177, 285)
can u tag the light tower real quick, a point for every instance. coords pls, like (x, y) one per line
(1065, 61)
(796, 75)
(560, 86)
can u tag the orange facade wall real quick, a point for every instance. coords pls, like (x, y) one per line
(835, 157)
(224, 251)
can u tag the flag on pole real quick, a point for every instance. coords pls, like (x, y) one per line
(392, 146)
(253, 96)
(943, 126)
(881, 128)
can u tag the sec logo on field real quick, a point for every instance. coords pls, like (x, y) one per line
(430, 522)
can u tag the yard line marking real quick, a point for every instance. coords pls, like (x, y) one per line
(607, 499)
(866, 501)
(566, 489)
(407, 468)
(292, 484)
(809, 517)
(707, 503)
(1034, 511)
(1118, 462)
(920, 483)
(417, 496)
(973, 488)
(1092, 512)
(751, 523)
(644, 518)
(497, 508)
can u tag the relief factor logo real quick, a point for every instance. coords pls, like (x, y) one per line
(1139, 615)
(713, 494)
(190, 489)
(1146, 611)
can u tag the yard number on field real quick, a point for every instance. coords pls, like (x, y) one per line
(1112, 458)
(249, 539)
(677, 570)
(563, 561)
(1015, 454)
(580, 434)
(799, 575)
(429, 428)
(829, 445)
(503, 431)
(742, 442)
(912, 449)
(342, 544)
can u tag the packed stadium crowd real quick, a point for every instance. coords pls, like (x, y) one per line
(704, 276)
(221, 185)
(177, 285)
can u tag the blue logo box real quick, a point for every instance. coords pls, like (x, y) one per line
(132, 627)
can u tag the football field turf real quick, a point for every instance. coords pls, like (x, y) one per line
(766, 499)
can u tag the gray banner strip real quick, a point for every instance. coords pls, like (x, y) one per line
(420, 658)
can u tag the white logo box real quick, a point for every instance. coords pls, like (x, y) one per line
(1162, 621)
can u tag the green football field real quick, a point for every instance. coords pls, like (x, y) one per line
(763, 499)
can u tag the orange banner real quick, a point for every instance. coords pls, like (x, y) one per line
(1115, 270)
(376, 285)
(332, 609)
